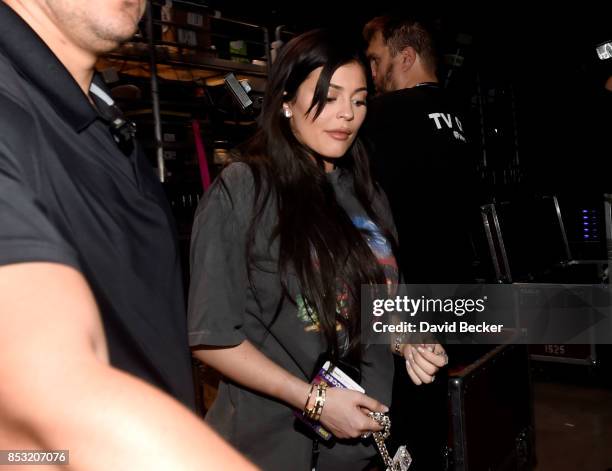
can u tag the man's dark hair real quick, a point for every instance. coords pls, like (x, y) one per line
(399, 33)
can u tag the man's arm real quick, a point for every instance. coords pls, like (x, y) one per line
(59, 392)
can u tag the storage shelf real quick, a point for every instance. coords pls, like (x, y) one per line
(187, 80)
(170, 61)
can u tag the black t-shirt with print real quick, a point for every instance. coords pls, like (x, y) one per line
(421, 157)
(226, 307)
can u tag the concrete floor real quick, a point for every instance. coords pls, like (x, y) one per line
(573, 427)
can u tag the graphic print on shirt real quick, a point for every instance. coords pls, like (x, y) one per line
(379, 245)
(383, 252)
(448, 121)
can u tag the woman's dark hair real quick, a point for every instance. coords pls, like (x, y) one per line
(317, 238)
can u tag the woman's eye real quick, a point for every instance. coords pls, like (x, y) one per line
(360, 102)
(329, 99)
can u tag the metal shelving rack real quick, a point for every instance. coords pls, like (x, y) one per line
(178, 61)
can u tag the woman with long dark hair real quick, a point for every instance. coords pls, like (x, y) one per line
(282, 243)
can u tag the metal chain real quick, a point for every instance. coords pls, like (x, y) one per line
(380, 437)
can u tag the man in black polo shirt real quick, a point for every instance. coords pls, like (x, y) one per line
(89, 270)
(422, 161)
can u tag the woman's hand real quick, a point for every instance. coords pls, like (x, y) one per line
(345, 413)
(423, 361)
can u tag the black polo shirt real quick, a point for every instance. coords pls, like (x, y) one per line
(68, 194)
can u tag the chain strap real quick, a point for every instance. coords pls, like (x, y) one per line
(402, 459)
(380, 437)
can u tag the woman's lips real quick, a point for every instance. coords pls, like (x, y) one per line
(339, 135)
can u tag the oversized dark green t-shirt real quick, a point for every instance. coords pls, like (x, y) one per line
(225, 308)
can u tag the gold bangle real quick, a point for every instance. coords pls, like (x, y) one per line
(319, 401)
(308, 411)
(311, 413)
(324, 397)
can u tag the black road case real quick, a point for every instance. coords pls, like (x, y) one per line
(491, 413)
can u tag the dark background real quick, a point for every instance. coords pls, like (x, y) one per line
(538, 116)
(543, 120)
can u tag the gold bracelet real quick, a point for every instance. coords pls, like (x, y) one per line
(314, 413)
(307, 412)
(319, 401)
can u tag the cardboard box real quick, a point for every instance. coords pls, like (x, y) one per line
(190, 26)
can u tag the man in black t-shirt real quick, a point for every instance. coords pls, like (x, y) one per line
(420, 154)
(421, 158)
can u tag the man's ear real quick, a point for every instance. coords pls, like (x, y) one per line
(408, 57)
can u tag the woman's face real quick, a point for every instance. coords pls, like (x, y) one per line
(335, 129)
